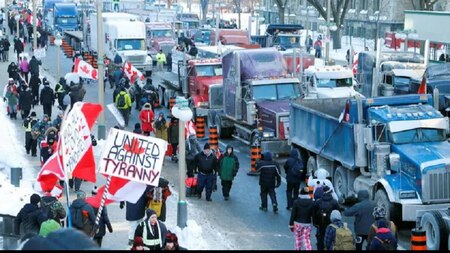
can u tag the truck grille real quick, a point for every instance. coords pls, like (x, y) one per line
(436, 186)
(216, 96)
(138, 59)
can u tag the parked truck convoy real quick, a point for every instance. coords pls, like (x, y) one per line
(65, 17)
(123, 35)
(394, 147)
(159, 37)
(281, 36)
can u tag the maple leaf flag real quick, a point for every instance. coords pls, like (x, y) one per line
(84, 69)
(132, 73)
(50, 173)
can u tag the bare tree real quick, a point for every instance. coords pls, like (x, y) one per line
(339, 9)
(425, 5)
(281, 5)
(384, 7)
(237, 3)
(204, 4)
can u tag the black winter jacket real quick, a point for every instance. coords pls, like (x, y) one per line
(294, 161)
(34, 66)
(76, 94)
(27, 217)
(104, 221)
(25, 99)
(326, 202)
(206, 164)
(269, 171)
(302, 210)
(47, 96)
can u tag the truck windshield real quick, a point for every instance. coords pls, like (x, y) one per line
(162, 33)
(276, 91)
(334, 83)
(288, 41)
(130, 44)
(191, 24)
(209, 70)
(66, 20)
(418, 135)
(401, 81)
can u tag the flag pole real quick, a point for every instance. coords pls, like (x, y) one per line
(100, 209)
(66, 180)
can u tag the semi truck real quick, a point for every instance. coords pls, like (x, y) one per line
(159, 37)
(235, 37)
(123, 35)
(394, 147)
(256, 95)
(281, 36)
(65, 17)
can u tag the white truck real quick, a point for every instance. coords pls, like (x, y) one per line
(124, 35)
(329, 82)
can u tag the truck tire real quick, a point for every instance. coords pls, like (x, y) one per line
(340, 184)
(436, 230)
(311, 166)
(381, 199)
(223, 132)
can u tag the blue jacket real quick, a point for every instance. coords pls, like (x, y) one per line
(362, 212)
(294, 160)
(330, 234)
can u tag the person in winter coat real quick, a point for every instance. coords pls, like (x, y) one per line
(147, 117)
(295, 174)
(30, 142)
(301, 220)
(330, 231)
(49, 144)
(13, 100)
(58, 120)
(18, 47)
(207, 165)
(138, 243)
(192, 149)
(76, 93)
(320, 180)
(26, 220)
(269, 179)
(137, 128)
(40, 128)
(35, 82)
(172, 242)
(125, 106)
(24, 68)
(384, 239)
(363, 218)
(48, 226)
(228, 169)
(34, 66)
(135, 212)
(51, 208)
(318, 48)
(160, 127)
(102, 225)
(5, 52)
(47, 99)
(152, 231)
(172, 137)
(61, 239)
(25, 101)
(13, 71)
(117, 74)
(82, 214)
(60, 91)
(379, 214)
(162, 192)
(322, 211)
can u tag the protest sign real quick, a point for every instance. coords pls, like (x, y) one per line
(133, 156)
(39, 53)
(116, 113)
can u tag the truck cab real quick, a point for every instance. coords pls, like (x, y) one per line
(65, 17)
(159, 36)
(329, 82)
(396, 77)
(190, 21)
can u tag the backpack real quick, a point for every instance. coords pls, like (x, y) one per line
(343, 239)
(121, 101)
(385, 244)
(50, 210)
(79, 219)
(324, 213)
(297, 170)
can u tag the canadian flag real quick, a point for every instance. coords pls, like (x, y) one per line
(132, 72)
(345, 115)
(50, 173)
(84, 69)
(189, 129)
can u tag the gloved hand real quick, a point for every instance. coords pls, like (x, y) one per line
(110, 229)
(122, 204)
(291, 228)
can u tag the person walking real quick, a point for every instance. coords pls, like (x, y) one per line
(24, 68)
(337, 235)
(76, 93)
(269, 179)
(25, 101)
(207, 165)
(34, 66)
(318, 47)
(13, 100)
(363, 218)
(192, 149)
(60, 92)
(172, 137)
(82, 214)
(322, 211)
(152, 231)
(160, 60)
(295, 174)
(47, 99)
(228, 169)
(301, 220)
(51, 208)
(384, 238)
(13, 71)
(30, 141)
(26, 220)
(5, 51)
(172, 242)
(379, 214)
(18, 47)
(123, 103)
(308, 44)
(147, 118)
(35, 83)
(160, 193)
(160, 127)
(103, 223)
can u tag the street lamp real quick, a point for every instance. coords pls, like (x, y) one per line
(101, 71)
(182, 111)
(17, 18)
(58, 43)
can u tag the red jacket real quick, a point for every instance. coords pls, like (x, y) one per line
(146, 117)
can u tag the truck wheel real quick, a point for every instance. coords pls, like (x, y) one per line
(311, 166)
(382, 200)
(340, 183)
(435, 229)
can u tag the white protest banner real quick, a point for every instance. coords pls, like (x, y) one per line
(39, 53)
(75, 137)
(115, 112)
(133, 156)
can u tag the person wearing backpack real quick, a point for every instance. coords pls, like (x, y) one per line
(123, 103)
(51, 208)
(301, 220)
(322, 210)
(384, 238)
(363, 216)
(294, 176)
(379, 214)
(82, 214)
(337, 235)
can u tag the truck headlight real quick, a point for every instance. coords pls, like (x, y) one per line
(267, 134)
(408, 195)
(148, 59)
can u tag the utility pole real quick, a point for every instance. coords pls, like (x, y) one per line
(327, 43)
(34, 26)
(101, 71)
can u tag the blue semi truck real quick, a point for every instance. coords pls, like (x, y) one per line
(394, 147)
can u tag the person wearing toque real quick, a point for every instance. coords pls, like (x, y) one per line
(152, 231)
(207, 165)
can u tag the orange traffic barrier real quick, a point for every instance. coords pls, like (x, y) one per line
(255, 155)
(52, 40)
(418, 239)
(213, 137)
(200, 125)
(171, 102)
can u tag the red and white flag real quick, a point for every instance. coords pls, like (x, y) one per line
(355, 63)
(132, 73)
(84, 69)
(76, 144)
(50, 173)
(423, 86)
(189, 129)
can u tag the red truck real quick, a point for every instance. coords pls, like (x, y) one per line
(235, 37)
